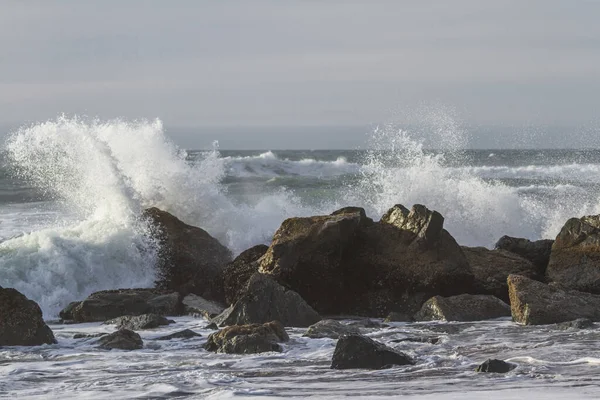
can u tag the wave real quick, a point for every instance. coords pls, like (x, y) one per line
(573, 172)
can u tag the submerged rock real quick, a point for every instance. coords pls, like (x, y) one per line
(88, 335)
(538, 252)
(356, 351)
(398, 317)
(464, 307)
(196, 305)
(21, 322)
(493, 365)
(581, 323)
(184, 334)
(330, 328)
(238, 272)
(139, 322)
(123, 339)
(248, 339)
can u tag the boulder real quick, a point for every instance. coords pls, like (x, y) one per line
(196, 305)
(123, 339)
(493, 365)
(464, 307)
(581, 323)
(575, 257)
(356, 351)
(190, 260)
(345, 263)
(330, 328)
(535, 303)
(265, 300)
(247, 339)
(492, 267)
(139, 322)
(21, 322)
(110, 304)
(538, 252)
(238, 272)
(184, 334)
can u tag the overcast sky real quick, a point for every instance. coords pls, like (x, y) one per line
(209, 68)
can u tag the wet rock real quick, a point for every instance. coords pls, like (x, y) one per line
(430, 340)
(191, 261)
(493, 365)
(329, 328)
(140, 322)
(265, 300)
(196, 305)
(21, 322)
(212, 326)
(398, 317)
(123, 339)
(367, 323)
(538, 252)
(464, 307)
(535, 303)
(581, 323)
(66, 313)
(248, 339)
(238, 272)
(184, 334)
(88, 335)
(356, 351)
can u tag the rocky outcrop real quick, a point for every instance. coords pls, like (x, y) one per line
(330, 328)
(198, 306)
(248, 339)
(575, 257)
(265, 300)
(538, 252)
(123, 339)
(535, 303)
(464, 307)
(21, 322)
(238, 272)
(184, 334)
(493, 365)
(110, 304)
(140, 322)
(356, 351)
(345, 263)
(492, 267)
(190, 260)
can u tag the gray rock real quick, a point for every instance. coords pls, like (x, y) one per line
(184, 334)
(21, 322)
(581, 323)
(139, 322)
(248, 339)
(538, 252)
(330, 328)
(356, 351)
(238, 272)
(123, 339)
(196, 305)
(88, 335)
(430, 340)
(464, 307)
(493, 365)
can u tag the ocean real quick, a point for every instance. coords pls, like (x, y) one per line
(71, 193)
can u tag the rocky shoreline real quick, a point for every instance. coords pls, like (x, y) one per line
(317, 270)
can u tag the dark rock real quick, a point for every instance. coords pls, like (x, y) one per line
(238, 272)
(464, 307)
(21, 322)
(123, 339)
(67, 313)
(196, 305)
(356, 351)
(492, 267)
(535, 303)
(492, 365)
(184, 334)
(88, 335)
(430, 340)
(212, 326)
(575, 257)
(139, 322)
(248, 339)
(367, 323)
(538, 252)
(398, 317)
(265, 300)
(581, 323)
(330, 328)
(191, 261)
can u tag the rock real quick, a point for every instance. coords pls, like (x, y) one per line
(329, 328)
(367, 323)
(464, 307)
(248, 339)
(123, 339)
(538, 252)
(139, 322)
(212, 326)
(492, 365)
(190, 260)
(67, 313)
(21, 322)
(88, 335)
(535, 303)
(265, 300)
(430, 340)
(184, 334)
(398, 317)
(356, 351)
(238, 272)
(581, 323)
(575, 257)
(492, 267)
(110, 304)
(196, 305)
(345, 263)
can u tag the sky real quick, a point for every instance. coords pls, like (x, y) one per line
(309, 74)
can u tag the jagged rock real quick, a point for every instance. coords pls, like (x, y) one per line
(238, 272)
(538, 252)
(356, 351)
(535, 303)
(21, 322)
(575, 257)
(330, 328)
(398, 317)
(196, 305)
(190, 260)
(212, 326)
(67, 312)
(123, 339)
(492, 267)
(139, 322)
(265, 300)
(345, 263)
(493, 365)
(184, 334)
(581, 323)
(248, 339)
(109, 304)
(464, 307)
